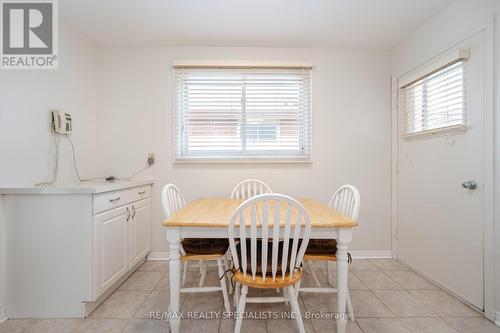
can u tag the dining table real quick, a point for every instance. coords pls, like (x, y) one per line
(209, 218)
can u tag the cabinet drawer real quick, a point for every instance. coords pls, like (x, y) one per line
(139, 193)
(110, 200)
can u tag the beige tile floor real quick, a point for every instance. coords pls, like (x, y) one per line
(386, 297)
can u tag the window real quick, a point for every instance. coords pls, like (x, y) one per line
(233, 114)
(436, 102)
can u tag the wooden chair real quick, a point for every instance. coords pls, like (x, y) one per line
(172, 201)
(268, 236)
(346, 201)
(249, 188)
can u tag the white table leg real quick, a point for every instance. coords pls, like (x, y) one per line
(174, 240)
(344, 237)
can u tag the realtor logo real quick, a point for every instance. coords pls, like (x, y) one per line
(29, 34)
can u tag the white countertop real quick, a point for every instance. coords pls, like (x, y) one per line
(85, 187)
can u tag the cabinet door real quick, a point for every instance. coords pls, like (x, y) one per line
(140, 230)
(110, 248)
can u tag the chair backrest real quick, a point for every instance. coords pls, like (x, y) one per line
(172, 199)
(346, 201)
(249, 188)
(281, 224)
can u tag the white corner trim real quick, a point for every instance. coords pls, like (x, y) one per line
(497, 318)
(355, 254)
(3, 315)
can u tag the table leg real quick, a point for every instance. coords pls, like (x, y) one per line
(174, 240)
(344, 237)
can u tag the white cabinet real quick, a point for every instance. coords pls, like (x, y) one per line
(77, 243)
(139, 231)
(110, 248)
(122, 236)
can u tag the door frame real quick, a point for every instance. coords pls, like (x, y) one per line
(487, 28)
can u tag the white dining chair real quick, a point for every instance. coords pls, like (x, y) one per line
(268, 237)
(173, 200)
(245, 190)
(346, 200)
(249, 188)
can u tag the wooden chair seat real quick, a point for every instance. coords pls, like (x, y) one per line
(195, 256)
(322, 246)
(319, 256)
(203, 246)
(268, 282)
(321, 249)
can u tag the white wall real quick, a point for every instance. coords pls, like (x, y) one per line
(445, 29)
(351, 130)
(25, 100)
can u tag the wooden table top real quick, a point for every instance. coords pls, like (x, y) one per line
(216, 212)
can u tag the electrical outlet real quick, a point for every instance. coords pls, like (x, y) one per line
(151, 159)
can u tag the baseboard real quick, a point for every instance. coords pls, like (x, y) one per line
(355, 254)
(3, 315)
(371, 254)
(497, 318)
(158, 256)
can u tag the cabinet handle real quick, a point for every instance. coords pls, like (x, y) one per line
(141, 193)
(115, 200)
(128, 214)
(133, 212)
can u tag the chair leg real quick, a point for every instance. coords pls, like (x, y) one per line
(297, 288)
(350, 309)
(203, 271)
(329, 273)
(296, 309)
(223, 285)
(226, 268)
(241, 309)
(315, 277)
(236, 296)
(184, 273)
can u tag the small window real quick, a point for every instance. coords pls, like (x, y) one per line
(232, 114)
(436, 102)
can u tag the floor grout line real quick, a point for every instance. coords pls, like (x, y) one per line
(321, 306)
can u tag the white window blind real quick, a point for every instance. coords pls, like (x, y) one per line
(436, 102)
(242, 114)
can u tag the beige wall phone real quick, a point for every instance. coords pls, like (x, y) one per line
(61, 122)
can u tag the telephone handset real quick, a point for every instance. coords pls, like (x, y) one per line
(61, 122)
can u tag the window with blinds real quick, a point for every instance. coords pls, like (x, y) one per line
(242, 114)
(436, 102)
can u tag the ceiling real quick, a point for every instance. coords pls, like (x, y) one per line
(356, 23)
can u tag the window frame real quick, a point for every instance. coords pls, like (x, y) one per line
(441, 65)
(304, 123)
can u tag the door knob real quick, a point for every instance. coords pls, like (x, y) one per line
(471, 185)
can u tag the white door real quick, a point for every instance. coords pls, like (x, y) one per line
(140, 230)
(110, 248)
(440, 223)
